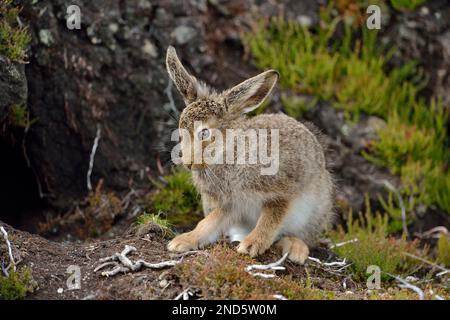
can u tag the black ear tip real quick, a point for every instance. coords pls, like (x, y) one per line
(275, 73)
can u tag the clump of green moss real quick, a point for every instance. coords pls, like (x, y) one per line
(17, 285)
(222, 275)
(19, 116)
(14, 38)
(156, 220)
(176, 199)
(351, 73)
(443, 250)
(374, 246)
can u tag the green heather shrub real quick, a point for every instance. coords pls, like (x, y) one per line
(352, 73)
(374, 246)
(14, 38)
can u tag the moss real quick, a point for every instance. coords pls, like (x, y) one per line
(177, 200)
(375, 247)
(19, 116)
(350, 72)
(156, 219)
(17, 285)
(443, 250)
(14, 38)
(222, 275)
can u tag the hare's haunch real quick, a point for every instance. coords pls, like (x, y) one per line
(286, 200)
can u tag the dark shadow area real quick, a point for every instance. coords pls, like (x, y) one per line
(19, 194)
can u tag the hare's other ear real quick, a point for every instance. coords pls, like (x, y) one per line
(249, 95)
(185, 83)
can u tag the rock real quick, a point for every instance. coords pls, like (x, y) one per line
(183, 34)
(13, 85)
(45, 37)
(424, 35)
(149, 49)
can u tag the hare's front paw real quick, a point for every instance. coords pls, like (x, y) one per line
(183, 242)
(253, 245)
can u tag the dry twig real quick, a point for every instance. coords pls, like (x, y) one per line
(10, 253)
(122, 264)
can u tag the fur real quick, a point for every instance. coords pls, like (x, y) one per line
(290, 208)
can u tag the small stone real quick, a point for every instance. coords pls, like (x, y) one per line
(45, 37)
(163, 283)
(60, 290)
(113, 27)
(424, 11)
(183, 34)
(149, 49)
(304, 20)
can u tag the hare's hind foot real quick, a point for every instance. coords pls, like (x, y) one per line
(297, 250)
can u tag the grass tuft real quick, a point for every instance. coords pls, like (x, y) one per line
(156, 219)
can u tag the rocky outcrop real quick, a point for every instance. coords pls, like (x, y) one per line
(13, 85)
(423, 35)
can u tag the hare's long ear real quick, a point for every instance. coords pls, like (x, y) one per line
(249, 95)
(185, 83)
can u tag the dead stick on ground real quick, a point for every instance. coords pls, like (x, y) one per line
(8, 244)
(407, 285)
(122, 264)
(426, 261)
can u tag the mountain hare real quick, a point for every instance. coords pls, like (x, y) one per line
(288, 207)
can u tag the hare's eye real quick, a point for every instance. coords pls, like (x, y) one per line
(203, 134)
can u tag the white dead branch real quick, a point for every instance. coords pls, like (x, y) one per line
(407, 285)
(263, 275)
(184, 295)
(122, 264)
(274, 266)
(10, 253)
(92, 157)
(435, 233)
(401, 203)
(271, 266)
(340, 244)
(443, 270)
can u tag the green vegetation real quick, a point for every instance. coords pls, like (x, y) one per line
(406, 4)
(443, 250)
(374, 246)
(222, 275)
(177, 199)
(17, 285)
(156, 219)
(14, 38)
(19, 116)
(352, 74)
